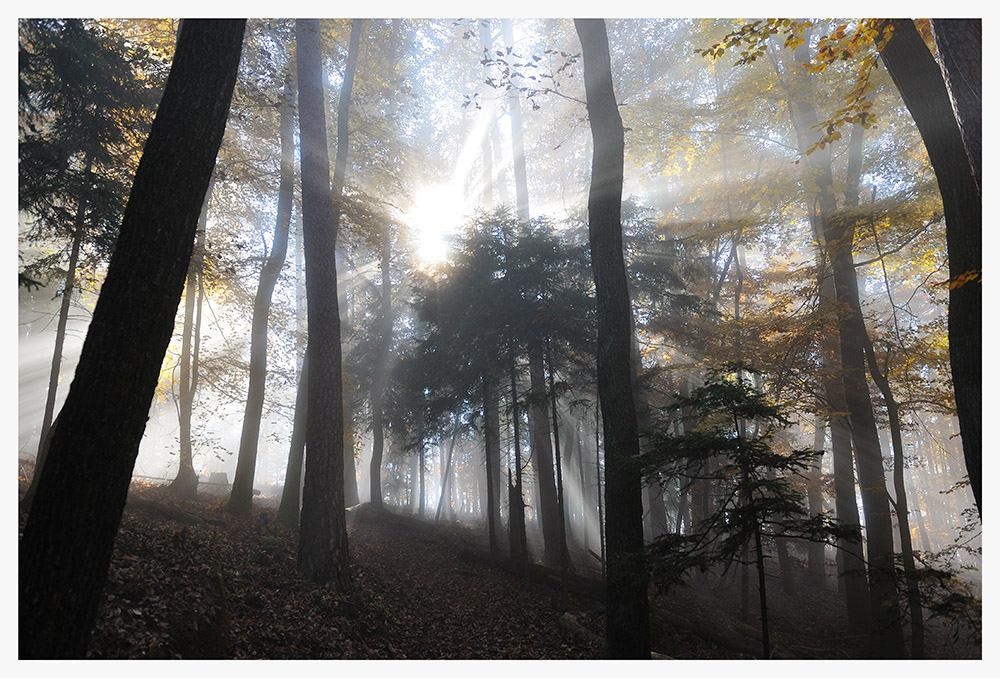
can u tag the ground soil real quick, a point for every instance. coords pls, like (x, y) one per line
(187, 579)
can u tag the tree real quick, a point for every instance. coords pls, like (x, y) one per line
(67, 542)
(323, 531)
(758, 502)
(627, 604)
(186, 482)
(837, 237)
(952, 145)
(381, 371)
(241, 499)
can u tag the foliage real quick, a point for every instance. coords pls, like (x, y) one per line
(86, 96)
(859, 44)
(728, 440)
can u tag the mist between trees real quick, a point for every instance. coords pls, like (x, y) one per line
(645, 305)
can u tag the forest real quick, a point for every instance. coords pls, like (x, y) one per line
(500, 338)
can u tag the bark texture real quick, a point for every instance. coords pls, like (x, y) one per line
(627, 602)
(323, 556)
(68, 539)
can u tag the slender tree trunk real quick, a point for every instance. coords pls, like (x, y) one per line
(515, 491)
(69, 536)
(491, 450)
(600, 487)
(422, 490)
(186, 482)
(816, 554)
(563, 552)
(902, 511)
(918, 78)
(517, 135)
(765, 634)
(323, 556)
(381, 376)
(838, 234)
(57, 353)
(291, 493)
(446, 472)
(241, 498)
(627, 602)
(291, 496)
(541, 451)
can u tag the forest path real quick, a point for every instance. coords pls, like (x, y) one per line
(438, 602)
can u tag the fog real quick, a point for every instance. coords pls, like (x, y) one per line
(464, 273)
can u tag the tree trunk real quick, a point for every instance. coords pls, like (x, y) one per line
(186, 483)
(446, 472)
(541, 452)
(241, 498)
(959, 44)
(563, 552)
(291, 496)
(422, 473)
(918, 78)
(627, 602)
(902, 512)
(491, 450)
(517, 134)
(515, 490)
(323, 556)
(381, 376)
(837, 234)
(816, 553)
(70, 533)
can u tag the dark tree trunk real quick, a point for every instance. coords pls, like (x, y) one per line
(902, 510)
(541, 452)
(291, 495)
(323, 556)
(918, 78)
(491, 447)
(241, 499)
(563, 552)
(627, 602)
(515, 489)
(959, 44)
(422, 472)
(816, 553)
(446, 473)
(68, 539)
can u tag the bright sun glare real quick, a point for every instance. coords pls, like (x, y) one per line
(437, 212)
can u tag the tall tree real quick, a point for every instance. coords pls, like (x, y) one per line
(381, 369)
(627, 602)
(837, 236)
(68, 539)
(186, 482)
(952, 145)
(241, 498)
(323, 531)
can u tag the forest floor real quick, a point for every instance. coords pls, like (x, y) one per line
(188, 579)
